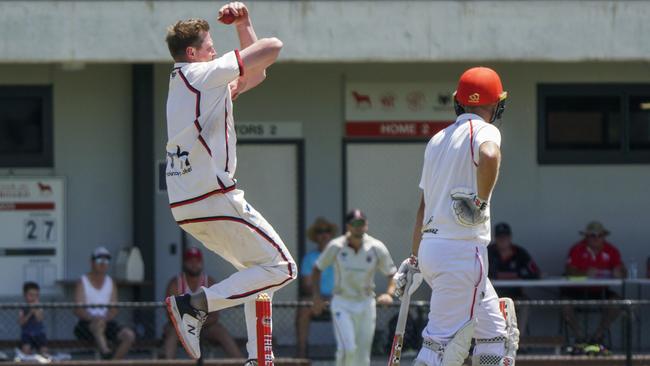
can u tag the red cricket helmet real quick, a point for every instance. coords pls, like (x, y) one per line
(480, 86)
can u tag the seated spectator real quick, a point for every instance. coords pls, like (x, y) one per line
(32, 334)
(320, 232)
(509, 261)
(593, 257)
(98, 323)
(190, 280)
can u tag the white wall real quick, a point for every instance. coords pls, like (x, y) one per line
(92, 149)
(326, 31)
(546, 205)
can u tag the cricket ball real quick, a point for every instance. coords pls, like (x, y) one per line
(227, 18)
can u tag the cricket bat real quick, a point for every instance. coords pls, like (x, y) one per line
(398, 339)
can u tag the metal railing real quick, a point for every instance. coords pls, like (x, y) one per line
(148, 321)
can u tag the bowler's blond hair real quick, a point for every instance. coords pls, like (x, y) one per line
(183, 34)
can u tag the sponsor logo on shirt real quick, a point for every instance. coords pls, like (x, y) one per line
(428, 227)
(178, 162)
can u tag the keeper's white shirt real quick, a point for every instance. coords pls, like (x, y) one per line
(201, 155)
(450, 163)
(354, 272)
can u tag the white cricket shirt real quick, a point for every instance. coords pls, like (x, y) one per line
(450, 163)
(201, 155)
(354, 272)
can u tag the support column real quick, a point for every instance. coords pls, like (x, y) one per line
(143, 174)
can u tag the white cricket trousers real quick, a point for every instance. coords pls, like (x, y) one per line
(354, 328)
(229, 226)
(457, 270)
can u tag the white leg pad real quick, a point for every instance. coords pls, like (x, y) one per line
(499, 351)
(456, 350)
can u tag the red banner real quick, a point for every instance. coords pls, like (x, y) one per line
(388, 129)
(26, 206)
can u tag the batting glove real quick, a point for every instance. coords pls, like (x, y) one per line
(408, 266)
(469, 209)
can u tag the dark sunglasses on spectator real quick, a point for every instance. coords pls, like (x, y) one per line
(322, 230)
(102, 260)
(595, 235)
(357, 223)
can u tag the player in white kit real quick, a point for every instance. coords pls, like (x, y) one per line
(452, 231)
(201, 163)
(356, 257)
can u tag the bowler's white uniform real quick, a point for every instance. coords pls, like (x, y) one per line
(453, 258)
(353, 303)
(201, 164)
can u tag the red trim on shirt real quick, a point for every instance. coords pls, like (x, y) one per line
(203, 196)
(471, 141)
(240, 63)
(205, 145)
(223, 186)
(193, 90)
(197, 112)
(225, 124)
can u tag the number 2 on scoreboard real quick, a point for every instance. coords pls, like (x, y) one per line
(40, 229)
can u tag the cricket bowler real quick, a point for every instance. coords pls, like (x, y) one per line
(201, 165)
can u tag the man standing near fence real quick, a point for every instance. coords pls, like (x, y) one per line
(356, 257)
(452, 231)
(201, 164)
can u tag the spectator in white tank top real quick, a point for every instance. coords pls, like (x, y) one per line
(98, 324)
(189, 281)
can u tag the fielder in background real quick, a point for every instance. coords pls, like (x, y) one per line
(201, 164)
(356, 257)
(452, 231)
(190, 280)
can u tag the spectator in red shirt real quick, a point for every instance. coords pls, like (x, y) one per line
(593, 257)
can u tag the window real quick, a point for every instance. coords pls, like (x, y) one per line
(593, 123)
(25, 126)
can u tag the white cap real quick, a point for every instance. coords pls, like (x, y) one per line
(101, 252)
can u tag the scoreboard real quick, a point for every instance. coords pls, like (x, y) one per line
(32, 233)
